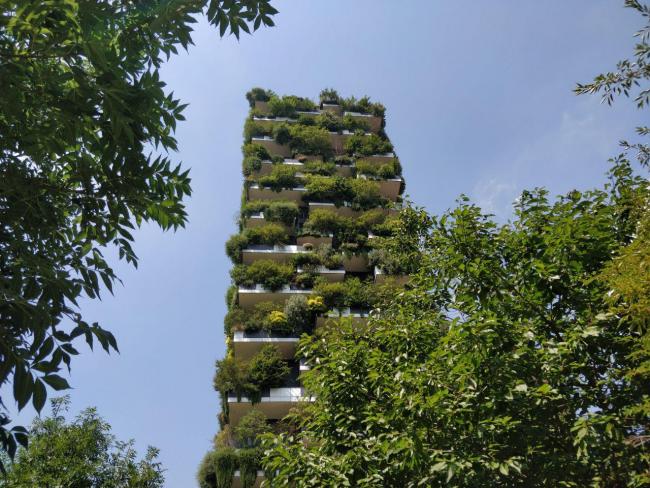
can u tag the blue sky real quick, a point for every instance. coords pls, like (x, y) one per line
(479, 101)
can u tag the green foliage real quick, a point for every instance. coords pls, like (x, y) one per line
(299, 316)
(83, 104)
(505, 362)
(269, 234)
(349, 293)
(258, 94)
(254, 129)
(329, 122)
(225, 464)
(361, 144)
(363, 105)
(250, 427)
(274, 211)
(251, 150)
(82, 452)
(329, 95)
(288, 105)
(310, 140)
(267, 369)
(323, 168)
(384, 171)
(281, 133)
(251, 164)
(232, 375)
(361, 194)
(218, 467)
(282, 176)
(249, 461)
(345, 229)
(270, 274)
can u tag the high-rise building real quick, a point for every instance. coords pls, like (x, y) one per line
(320, 182)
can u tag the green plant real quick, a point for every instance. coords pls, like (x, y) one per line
(323, 221)
(323, 168)
(250, 149)
(267, 369)
(328, 189)
(268, 273)
(259, 95)
(232, 375)
(250, 427)
(367, 144)
(299, 315)
(225, 461)
(329, 95)
(281, 176)
(249, 461)
(251, 164)
(310, 140)
(274, 211)
(352, 124)
(254, 129)
(207, 472)
(364, 106)
(268, 234)
(365, 193)
(329, 122)
(288, 105)
(349, 293)
(281, 133)
(384, 171)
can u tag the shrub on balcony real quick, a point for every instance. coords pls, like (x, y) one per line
(281, 133)
(265, 272)
(329, 95)
(250, 427)
(267, 369)
(327, 188)
(385, 171)
(367, 145)
(249, 461)
(300, 316)
(310, 140)
(363, 105)
(232, 375)
(255, 150)
(349, 293)
(305, 279)
(253, 128)
(274, 211)
(344, 160)
(329, 122)
(250, 165)
(323, 168)
(281, 177)
(269, 234)
(323, 221)
(258, 95)
(288, 105)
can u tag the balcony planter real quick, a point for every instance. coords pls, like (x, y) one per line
(247, 344)
(356, 315)
(275, 403)
(382, 277)
(334, 108)
(315, 240)
(274, 148)
(373, 122)
(280, 253)
(255, 192)
(343, 210)
(390, 188)
(330, 275)
(249, 297)
(379, 158)
(338, 140)
(267, 122)
(267, 166)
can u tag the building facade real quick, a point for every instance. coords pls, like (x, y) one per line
(321, 180)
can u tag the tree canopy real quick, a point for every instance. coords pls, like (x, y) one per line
(86, 128)
(80, 453)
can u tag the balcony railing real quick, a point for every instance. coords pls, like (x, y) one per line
(273, 147)
(257, 192)
(247, 344)
(249, 297)
(275, 403)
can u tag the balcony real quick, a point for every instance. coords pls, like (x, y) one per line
(343, 210)
(236, 481)
(272, 147)
(373, 122)
(379, 158)
(356, 263)
(247, 344)
(315, 241)
(331, 275)
(334, 108)
(388, 188)
(356, 315)
(267, 122)
(280, 253)
(275, 403)
(257, 192)
(267, 166)
(249, 297)
(382, 277)
(338, 140)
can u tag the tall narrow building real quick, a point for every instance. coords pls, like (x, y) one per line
(320, 182)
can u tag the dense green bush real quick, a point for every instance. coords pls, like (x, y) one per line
(287, 106)
(323, 168)
(250, 165)
(267, 369)
(365, 193)
(207, 473)
(364, 106)
(281, 133)
(254, 129)
(360, 193)
(299, 316)
(329, 122)
(323, 222)
(310, 140)
(232, 375)
(386, 170)
(274, 211)
(255, 150)
(329, 95)
(258, 94)
(282, 176)
(249, 461)
(367, 145)
(246, 433)
(218, 467)
(265, 272)
(349, 293)
(268, 234)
